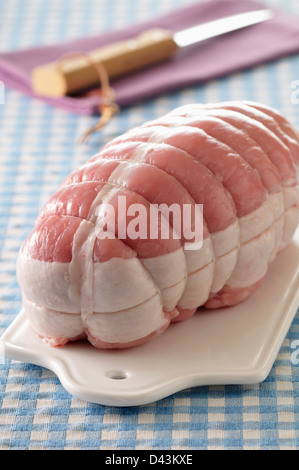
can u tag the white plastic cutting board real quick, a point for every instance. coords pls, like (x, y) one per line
(231, 346)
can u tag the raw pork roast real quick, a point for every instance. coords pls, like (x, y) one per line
(238, 159)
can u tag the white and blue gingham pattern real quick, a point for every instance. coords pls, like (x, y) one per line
(37, 150)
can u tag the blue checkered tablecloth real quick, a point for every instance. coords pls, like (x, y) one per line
(37, 150)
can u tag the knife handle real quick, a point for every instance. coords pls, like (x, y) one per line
(120, 58)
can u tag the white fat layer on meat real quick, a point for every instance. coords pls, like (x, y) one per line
(225, 266)
(291, 217)
(123, 300)
(52, 324)
(105, 195)
(175, 269)
(279, 225)
(120, 284)
(268, 215)
(291, 220)
(197, 259)
(128, 325)
(122, 171)
(251, 225)
(172, 294)
(291, 196)
(226, 247)
(201, 267)
(277, 203)
(47, 284)
(253, 260)
(226, 240)
(168, 271)
(81, 267)
(65, 287)
(198, 288)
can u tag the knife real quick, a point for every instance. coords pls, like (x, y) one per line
(121, 58)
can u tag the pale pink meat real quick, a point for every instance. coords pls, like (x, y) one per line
(227, 166)
(50, 273)
(270, 134)
(238, 159)
(158, 187)
(275, 148)
(159, 256)
(218, 206)
(247, 148)
(239, 178)
(277, 143)
(287, 133)
(150, 182)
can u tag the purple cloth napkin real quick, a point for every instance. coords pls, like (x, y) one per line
(196, 64)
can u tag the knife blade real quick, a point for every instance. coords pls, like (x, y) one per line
(121, 58)
(220, 27)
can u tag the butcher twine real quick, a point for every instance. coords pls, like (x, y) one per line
(107, 104)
